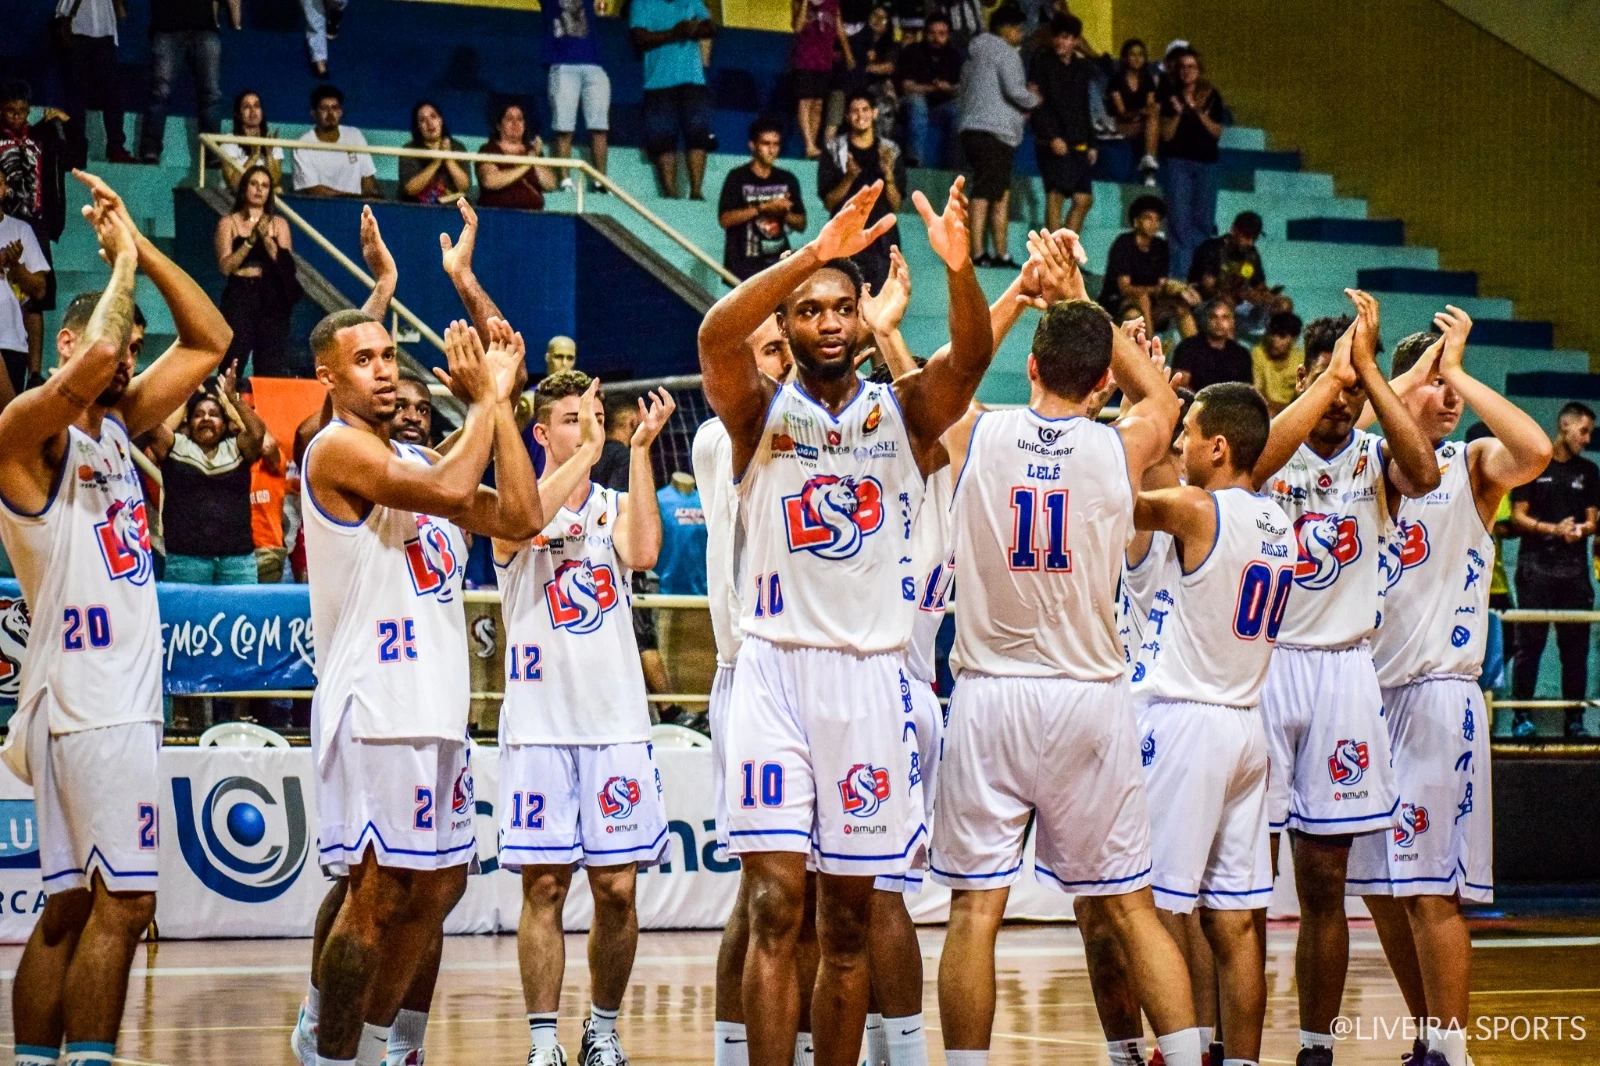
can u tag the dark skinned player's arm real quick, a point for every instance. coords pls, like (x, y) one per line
(1185, 511)
(513, 511)
(1294, 423)
(380, 264)
(456, 258)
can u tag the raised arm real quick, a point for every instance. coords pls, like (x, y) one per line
(1185, 511)
(883, 312)
(252, 431)
(203, 334)
(939, 395)
(639, 517)
(512, 511)
(380, 264)
(456, 258)
(1414, 471)
(1149, 406)
(1294, 423)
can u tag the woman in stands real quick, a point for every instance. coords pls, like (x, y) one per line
(253, 253)
(249, 120)
(432, 181)
(818, 33)
(504, 185)
(1131, 101)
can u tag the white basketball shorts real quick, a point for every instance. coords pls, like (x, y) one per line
(1205, 770)
(1066, 750)
(96, 797)
(1328, 743)
(596, 804)
(1443, 840)
(928, 722)
(717, 713)
(410, 801)
(819, 759)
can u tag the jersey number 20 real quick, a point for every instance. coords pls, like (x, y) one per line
(1260, 602)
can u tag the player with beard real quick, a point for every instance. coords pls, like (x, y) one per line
(1429, 653)
(390, 718)
(831, 472)
(87, 730)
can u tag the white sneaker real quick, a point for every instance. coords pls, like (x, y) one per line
(303, 1041)
(1149, 162)
(547, 1056)
(566, 183)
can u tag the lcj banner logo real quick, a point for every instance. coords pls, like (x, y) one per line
(242, 842)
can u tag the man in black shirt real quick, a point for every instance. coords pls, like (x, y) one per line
(1556, 513)
(1136, 272)
(852, 161)
(1213, 355)
(1191, 131)
(1063, 136)
(1230, 266)
(183, 32)
(760, 204)
(928, 72)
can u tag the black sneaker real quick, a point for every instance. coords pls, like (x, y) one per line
(600, 1050)
(1314, 1056)
(1417, 1055)
(1576, 730)
(983, 261)
(1006, 263)
(1216, 1056)
(334, 16)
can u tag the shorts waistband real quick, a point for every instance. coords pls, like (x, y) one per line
(976, 676)
(1364, 644)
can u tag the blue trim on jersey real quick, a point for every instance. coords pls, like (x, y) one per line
(593, 488)
(574, 846)
(1341, 450)
(629, 851)
(55, 488)
(96, 853)
(769, 832)
(1173, 892)
(922, 830)
(972, 439)
(1296, 816)
(766, 416)
(1042, 418)
(975, 877)
(1220, 892)
(861, 391)
(377, 837)
(1108, 881)
(1216, 509)
(305, 483)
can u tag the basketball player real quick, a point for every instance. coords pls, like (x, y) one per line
(1429, 652)
(87, 731)
(1043, 507)
(1205, 658)
(830, 472)
(395, 786)
(578, 781)
(1331, 778)
(712, 456)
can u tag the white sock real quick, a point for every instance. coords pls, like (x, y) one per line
(34, 1055)
(877, 1046)
(908, 1043)
(542, 1028)
(88, 1053)
(802, 1049)
(1316, 1039)
(1125, 1052)
(1181, 1048)
(313, 1004)
(1239, 1062)
(1450, 1042)
(1207, 1034)
(406, 1035)
(732, 1045)
(602, 1022)
(966, 1058)
(324, 1061)
(374, 1045)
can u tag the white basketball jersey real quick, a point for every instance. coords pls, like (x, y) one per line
(88, 582)
(1341, 517)
(1140, 609)
(386, 610)
(1043, 511)
(1436, 568)
(572, 665)
(828, 505)
(1218, 634)
(930, 547)
(712, 456)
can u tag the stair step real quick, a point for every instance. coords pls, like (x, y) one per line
(1292, 183)
(1384, 231)
(1244, 159)
(1406, 279)
(1554, 385)
(1513, 333)
(1245, 138)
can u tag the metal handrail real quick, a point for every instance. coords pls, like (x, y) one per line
(214, 142)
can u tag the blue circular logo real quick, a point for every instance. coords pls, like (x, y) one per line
(245, 824)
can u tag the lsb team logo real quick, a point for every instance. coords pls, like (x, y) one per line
(1407, 548)
(863, 790)
(432, 560)
(461, 793)
(832, 515)
(580, 595)
(1348, 763)
(1413, 823)
(242, 842)
(618, 796)
(13, 642)
(1328, 543)
(125, 542)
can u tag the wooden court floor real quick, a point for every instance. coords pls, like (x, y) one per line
(225, 1002)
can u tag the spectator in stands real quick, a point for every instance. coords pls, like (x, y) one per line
(854, 160)
(1191, 129)
(818, 33)
(267, 492)
(505, 184)
(1277, 360)
(24, 269)
(572, 48)
(1133, 106)
(322, 173)
(205, 476)
(1212, 355)
(33, 166)
(86, 45)
(682, 562)
(759, 205)
(1062, 130)
(1136, 273)
(250, 120)
(994, 105)
(183, 33)
(929, 73)
(253, 247)
(674, 37)
(432, 181)
(323, 18)
(559, 355)
(876, 53)
(1230, 266)
(1556, 514)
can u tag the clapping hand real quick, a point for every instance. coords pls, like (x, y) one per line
(653, 418)
(1455, 325)
(457, 257)
(947, 231)
(591, 425)
(1364, 342)
(1053, 273)
(469, 376)
(882, 311)
(379, 262)
(847, 232)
